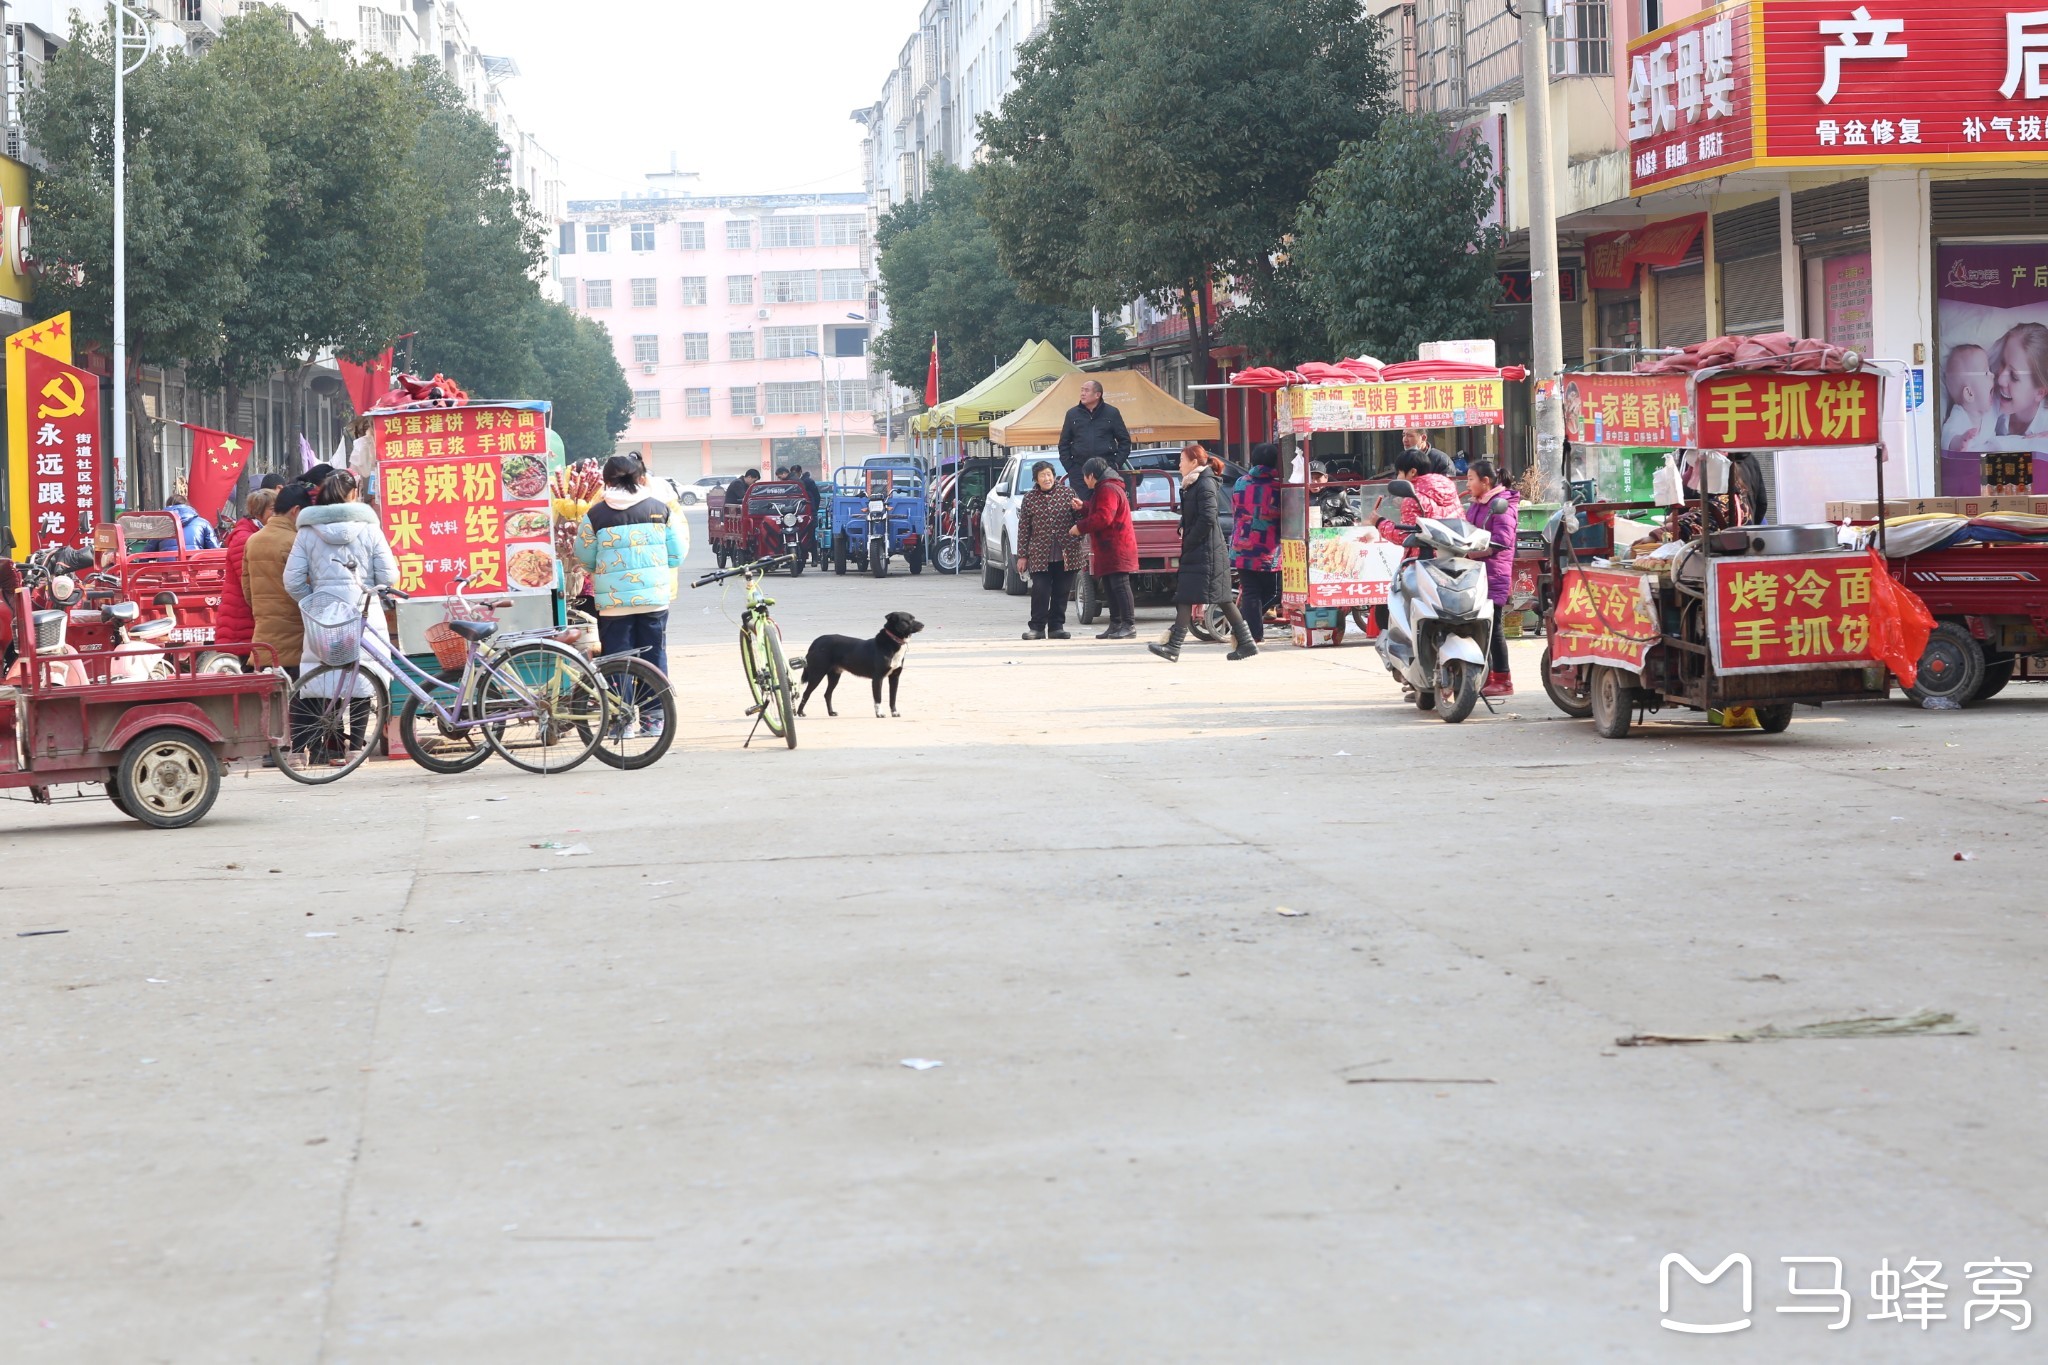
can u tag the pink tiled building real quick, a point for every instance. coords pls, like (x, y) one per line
(741, 322)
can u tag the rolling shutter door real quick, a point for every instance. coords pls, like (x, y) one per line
(1976, 208)
(1832, 212)
(1752, 295)
(1681, 305)
(1572, 317)
(1745, 232)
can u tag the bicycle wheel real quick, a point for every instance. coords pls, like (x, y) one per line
(544, 707)
(436, 745)
(329, 737)
(768, 676)
(641, 721)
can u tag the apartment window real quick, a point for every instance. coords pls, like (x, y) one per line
(739, 234)
(1579, 41)
(849, 395)
(789, 286)
(646, 350)
(643, 236)
(597, 293)
(1653, 16)
(745, 402)
(696, 345)
(569, 292)
(787, 343)
(693, 291)
(643, 293)
(647, 405)
(565, 240)
(696, 402)
(739, 345)
(841, 229)
(597, 236)
(845, 286)
(739, 289)
(693, 236)
(785, 399)
(778, 232)
(848, 342)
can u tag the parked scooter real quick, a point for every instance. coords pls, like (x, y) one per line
(1439, 619)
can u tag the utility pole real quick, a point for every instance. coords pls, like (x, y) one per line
(141, 45)
(1545, 320)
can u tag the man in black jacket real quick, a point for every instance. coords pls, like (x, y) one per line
(1093, 428)
(802, 476)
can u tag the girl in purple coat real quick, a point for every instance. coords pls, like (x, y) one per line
(1493, 509)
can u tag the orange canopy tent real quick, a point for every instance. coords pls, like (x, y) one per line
(1152, 415)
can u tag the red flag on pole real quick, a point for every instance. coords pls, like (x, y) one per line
(217, 460)
(931, 376)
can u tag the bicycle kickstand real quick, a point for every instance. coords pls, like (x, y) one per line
(759, 713)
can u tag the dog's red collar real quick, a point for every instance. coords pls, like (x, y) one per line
(894, 636)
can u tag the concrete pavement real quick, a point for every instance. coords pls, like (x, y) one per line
(357, 1075)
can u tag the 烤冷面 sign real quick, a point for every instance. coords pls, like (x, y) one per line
(1771, 614)
(1816, 83)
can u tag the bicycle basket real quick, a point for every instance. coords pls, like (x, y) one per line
(334, 629)
(451, 651)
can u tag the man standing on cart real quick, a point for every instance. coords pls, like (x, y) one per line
(1093, 430)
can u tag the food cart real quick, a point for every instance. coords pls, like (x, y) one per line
(1328, 569)
(1765, 617)
(463, 489)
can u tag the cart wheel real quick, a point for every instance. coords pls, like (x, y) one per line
(114, 795)
(1613, 700)
(1457, 685)
(1425, 701)
(796, 566)
(1208, 625)
(1567, 688)
(718, 553)
(946, 555)
(1774, 720)
(1361, 619)
(1089, 605)
(1997, 673)
(878, 557)
(168, 778)
(914, 558)
(839, 548)
(1953, 666)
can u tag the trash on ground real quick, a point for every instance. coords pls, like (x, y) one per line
(38, 933)
(1290, 914)
(572, 851)
(1966, 857)
(921, 1063)
(321, 933)
(157, 980)
(1941, 704)
(1925, 1022)
(497, 798)
(1421, 1080)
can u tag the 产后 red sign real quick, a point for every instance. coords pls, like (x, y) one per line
(465, 491)
(1786, 411)
(1775, 613)
(1613, 257)
(1689, 99)
(1626, 410)
(1603, 616)
(63, 452)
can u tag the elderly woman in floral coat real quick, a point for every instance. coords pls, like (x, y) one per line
(1047, 553)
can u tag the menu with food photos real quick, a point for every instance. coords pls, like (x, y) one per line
(465, 490)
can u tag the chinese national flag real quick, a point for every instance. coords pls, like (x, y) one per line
(931, 376)
(217, 460)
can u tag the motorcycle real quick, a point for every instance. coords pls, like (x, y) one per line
(1439, 620)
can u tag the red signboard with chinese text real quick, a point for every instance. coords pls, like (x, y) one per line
(1689, 99)
(1391, 406)
(1781, 411)
(1603, 616)
(1626, 410)
(1776, 613)
(1613, 257)
(63, 452)
(1815, 83)
(465, 490)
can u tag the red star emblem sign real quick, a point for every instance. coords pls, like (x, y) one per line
(56, 329)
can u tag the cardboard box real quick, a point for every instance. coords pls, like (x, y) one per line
(2039, 506)
(2009, 503)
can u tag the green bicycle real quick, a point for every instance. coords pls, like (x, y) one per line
(761, 656)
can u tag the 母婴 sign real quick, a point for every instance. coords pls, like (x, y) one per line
(1822, 82)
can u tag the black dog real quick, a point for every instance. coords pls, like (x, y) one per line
(879, 658)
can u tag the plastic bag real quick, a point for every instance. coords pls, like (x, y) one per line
(334, 628)
(1667, 486)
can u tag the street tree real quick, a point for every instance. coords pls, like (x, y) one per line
(1393, 243)
(343, 214)
(1152, 146)
(472, 318)
(940, 274)
(196, 173)
(580, 374)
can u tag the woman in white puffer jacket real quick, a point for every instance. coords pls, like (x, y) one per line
(339, 555)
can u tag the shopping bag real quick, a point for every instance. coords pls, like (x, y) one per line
(1667, 486)
(334, 628)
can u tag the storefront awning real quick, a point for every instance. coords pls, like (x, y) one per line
(1151, 414)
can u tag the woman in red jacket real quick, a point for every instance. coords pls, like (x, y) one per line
(1106, 521)
(233, 622)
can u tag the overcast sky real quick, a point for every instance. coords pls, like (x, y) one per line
(755, 94)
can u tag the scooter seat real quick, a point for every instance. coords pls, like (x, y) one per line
(154, 630)
(120, 613)
(474, 630)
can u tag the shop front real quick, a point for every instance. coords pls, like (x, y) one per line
(1880, 183)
